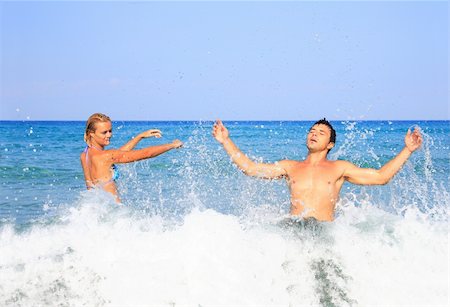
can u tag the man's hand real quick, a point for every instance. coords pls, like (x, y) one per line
(220, 133)
(413, 140)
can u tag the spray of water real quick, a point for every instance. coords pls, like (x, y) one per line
(195, 231)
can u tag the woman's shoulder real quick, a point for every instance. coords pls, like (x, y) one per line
(107, 155)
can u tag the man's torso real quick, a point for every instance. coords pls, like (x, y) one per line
(314, 188)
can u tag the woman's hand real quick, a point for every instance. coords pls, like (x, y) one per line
(177, 144)
(151, 133)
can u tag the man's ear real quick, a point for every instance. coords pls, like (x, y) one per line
(330, 145)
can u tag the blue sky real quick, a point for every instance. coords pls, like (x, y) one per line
(231, 60)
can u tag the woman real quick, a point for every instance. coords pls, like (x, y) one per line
(98, 163)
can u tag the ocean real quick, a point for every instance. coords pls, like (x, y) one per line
(194, 231)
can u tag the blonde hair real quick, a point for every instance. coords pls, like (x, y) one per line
(91, 122)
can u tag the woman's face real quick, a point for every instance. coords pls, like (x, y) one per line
(102, 133)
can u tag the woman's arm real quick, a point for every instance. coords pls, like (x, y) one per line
(120, 156)
(134, 141)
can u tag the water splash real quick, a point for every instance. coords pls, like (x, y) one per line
(193, 230)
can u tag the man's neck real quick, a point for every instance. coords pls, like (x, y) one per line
(316, 157)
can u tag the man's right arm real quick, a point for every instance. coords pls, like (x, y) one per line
(250, 168)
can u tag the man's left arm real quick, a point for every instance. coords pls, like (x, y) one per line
(383, 175)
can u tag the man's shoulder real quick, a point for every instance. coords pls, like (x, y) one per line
(288, 162)
(291, 165)
(337, 162)
(341, 163)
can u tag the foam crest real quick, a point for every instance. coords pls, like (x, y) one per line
(403, 259)
(98, 253)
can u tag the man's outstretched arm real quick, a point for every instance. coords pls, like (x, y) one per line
(368, 176)
(250, 168)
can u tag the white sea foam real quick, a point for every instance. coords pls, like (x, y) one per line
(97, 253)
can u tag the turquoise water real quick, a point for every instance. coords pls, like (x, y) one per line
(40, 168)
(194, 230)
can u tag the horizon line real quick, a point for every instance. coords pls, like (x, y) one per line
(224, 120)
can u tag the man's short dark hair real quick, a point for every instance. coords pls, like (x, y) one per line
(324, 121)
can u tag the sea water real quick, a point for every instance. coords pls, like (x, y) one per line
(194, 231)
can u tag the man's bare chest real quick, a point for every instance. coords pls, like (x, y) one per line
(304, 177)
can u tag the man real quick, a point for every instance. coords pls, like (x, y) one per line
(315, 183)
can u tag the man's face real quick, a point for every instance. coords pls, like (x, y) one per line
(318, 138)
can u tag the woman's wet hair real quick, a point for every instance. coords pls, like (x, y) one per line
(92, 121)
(324, 121)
